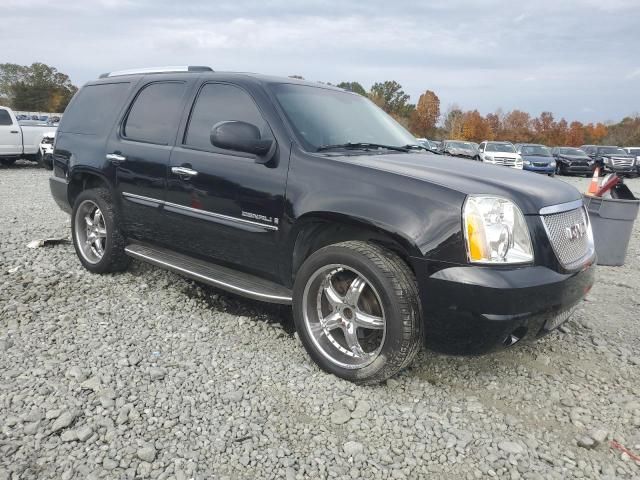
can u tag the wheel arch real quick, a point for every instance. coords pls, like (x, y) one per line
(315, 230)
(81, 179)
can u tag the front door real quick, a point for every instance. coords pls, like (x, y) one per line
(10, 135)
(229, 208)
(139, 150)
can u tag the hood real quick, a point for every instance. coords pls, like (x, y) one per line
(537, 158)
(574, 157)
(617, 155)
(462, 151)
(502, 154)
(530, 192)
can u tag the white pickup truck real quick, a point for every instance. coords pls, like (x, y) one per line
(20, 141)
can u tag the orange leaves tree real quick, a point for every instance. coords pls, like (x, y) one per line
(424, 118)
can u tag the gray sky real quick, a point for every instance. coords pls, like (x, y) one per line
(579, 59)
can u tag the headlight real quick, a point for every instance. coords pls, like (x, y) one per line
(552, 164)
(527, 162)
(495, 231)
(607, 160)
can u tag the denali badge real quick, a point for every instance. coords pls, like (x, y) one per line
(257, 216)
(576, 231)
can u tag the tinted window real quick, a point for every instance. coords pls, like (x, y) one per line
(94, 108)
(155, 113)
(218, 102)
(5, 118)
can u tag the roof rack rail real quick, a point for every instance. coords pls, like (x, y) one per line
(173, 69)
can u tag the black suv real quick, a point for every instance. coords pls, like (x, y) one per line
(294, 192)
(611, 159)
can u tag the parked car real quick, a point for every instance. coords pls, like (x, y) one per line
(572, 161)
(611, 159)
(300, 193)
(634, 151)
(428, 144)
(459, 148)
(46, 150)
(19, 139)
(499, 153)
(536, 158)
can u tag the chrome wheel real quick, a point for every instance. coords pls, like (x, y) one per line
(90, 231)
(343, 315)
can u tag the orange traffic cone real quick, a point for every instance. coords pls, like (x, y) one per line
(594, 185)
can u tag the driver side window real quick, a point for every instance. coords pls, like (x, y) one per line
(219, 102)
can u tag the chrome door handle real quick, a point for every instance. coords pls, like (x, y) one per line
(184, 171)
(115, 158)
(14, 131)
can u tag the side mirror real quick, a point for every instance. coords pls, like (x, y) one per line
(240, 137)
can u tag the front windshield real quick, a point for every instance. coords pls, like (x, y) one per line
(537, 150)
(500, 147)
(465, 145)
(321, 117)
(611, 151)
(572, 151)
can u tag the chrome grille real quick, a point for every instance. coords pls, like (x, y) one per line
(622, 162)
(507, 162)
(558, 226)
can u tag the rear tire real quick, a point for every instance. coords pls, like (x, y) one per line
(372, 326)
(96, 233)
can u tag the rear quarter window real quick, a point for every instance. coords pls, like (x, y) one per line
(94, 108)
(5, 118)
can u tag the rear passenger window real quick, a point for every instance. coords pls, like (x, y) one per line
(5, 118)
(219, 102)
(155, 113)
(94, 108)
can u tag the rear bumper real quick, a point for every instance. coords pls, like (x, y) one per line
(475, 310)
(58, 187)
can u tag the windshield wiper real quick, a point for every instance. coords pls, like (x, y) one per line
(361, 146)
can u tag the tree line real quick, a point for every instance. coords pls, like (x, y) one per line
(42, 88)
(424, 119)
(35, 88)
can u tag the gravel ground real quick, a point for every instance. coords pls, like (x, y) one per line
(148, 375)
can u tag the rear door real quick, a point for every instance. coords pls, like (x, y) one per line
(230, 210)
(139, 149)
(10, 134)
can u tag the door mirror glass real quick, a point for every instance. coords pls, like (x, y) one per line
(240, 137)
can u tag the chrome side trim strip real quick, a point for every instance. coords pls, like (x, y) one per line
(221, 284)
(220, 216)
(562, 207)
(176, 208)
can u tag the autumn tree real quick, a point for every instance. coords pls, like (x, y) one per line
(474, 127)
(37, 87)
(424, 118)
(453, 122)
(517, 127)
(575, 135)
(593, 134)
(391, 98)
(494, 122)
(353, 87)
(626, 132)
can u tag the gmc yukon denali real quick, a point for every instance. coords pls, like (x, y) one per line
(299, 193)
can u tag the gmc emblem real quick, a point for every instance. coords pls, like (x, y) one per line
(576, 231)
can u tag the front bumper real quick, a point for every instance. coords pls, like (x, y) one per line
(476, 309)
(532, 168)
(572, 168)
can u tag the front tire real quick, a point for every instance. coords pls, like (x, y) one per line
(96, 233)
(357, 312)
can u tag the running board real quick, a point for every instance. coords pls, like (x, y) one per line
(215, 275)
